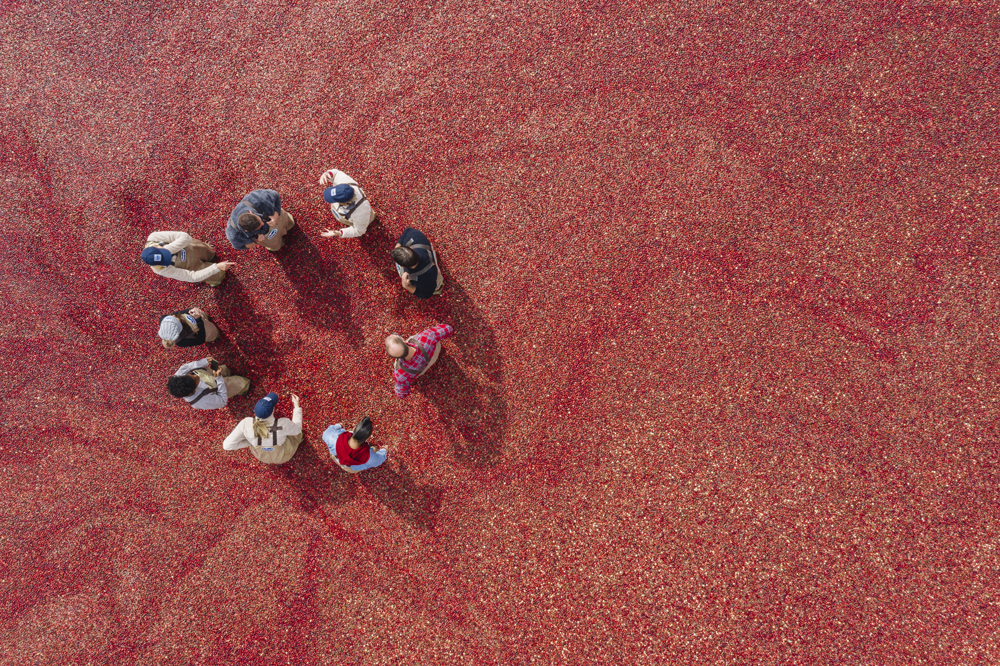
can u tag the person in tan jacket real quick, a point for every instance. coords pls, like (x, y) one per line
(175, 255)
(272, 441)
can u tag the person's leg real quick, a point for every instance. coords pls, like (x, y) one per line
(237, 385)
(211, 330)
(215, 280)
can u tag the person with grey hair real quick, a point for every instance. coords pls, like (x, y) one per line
(187, 328)
(415, 355)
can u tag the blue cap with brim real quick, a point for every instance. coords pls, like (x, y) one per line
(338, 193)
(156, 256)
(265, 406)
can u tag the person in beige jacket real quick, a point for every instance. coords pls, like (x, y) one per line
(175, 255)
(272, 441)
(348, 203)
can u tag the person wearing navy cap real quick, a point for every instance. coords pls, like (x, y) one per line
(348, 203)
(258, 219)
(272, 441)
(175, 255)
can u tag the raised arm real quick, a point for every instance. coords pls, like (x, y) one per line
(439, 333)
(193, 365)
(184, 275)
(175, 240)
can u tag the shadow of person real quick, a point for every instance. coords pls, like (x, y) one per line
(314, 477)
(473, 412)
(246, 344)
(416, 504)
(466, 386)
(321, 298)
(377, 244)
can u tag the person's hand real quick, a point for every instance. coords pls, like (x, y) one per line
(209, 359)
(405, 279)
(225, 265)
(274, 218)
(332, 233)
(196, 312)
(295, 400)
(327, 178)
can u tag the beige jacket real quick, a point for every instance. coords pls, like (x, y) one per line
(174, 242)
(242, 435)
(362, 216)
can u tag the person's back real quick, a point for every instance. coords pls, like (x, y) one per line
(351, 450)
(417, 265)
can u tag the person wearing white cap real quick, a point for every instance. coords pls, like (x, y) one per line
(348, 203)
(272, 441)
(187, 328)
(175, 255)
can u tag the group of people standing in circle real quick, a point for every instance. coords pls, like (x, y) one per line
(259, 219)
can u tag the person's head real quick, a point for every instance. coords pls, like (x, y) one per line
(405, 257)
(363, 430)
(265, 406)
(338, 194)
(395, 346)
(156, 256)
(181, 386)
(249, 222)
(170, 331)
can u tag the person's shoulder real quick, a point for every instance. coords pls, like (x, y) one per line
(414, 233)
(240, 208)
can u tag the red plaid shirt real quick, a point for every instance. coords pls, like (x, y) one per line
(425, 342)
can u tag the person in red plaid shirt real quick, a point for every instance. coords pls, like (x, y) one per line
(415, 355)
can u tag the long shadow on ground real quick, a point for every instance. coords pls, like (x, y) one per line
(397, 490)
(468, 396)
(322, 300)
(247, 343)
(314, 477)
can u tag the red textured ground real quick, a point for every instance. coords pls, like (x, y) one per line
(724, 387)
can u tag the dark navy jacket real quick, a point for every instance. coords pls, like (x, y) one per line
(264, 203)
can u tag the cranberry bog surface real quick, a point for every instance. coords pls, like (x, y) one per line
(724, 383)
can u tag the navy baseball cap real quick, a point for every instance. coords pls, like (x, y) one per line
(156, 256)
(265, 406)
(338, 193)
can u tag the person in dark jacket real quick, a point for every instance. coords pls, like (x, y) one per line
(417, 265)
(258, 219)
(187, 328)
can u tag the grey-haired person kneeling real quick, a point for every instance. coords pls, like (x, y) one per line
(187, 328)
